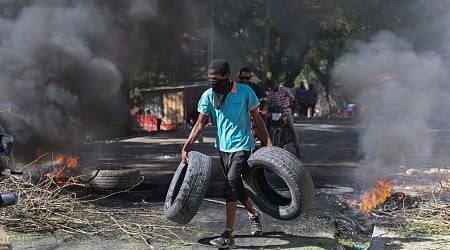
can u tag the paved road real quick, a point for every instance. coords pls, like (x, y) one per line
(330, 150)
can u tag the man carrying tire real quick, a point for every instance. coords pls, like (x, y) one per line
(231, 106)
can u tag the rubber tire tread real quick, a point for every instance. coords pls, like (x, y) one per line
(291, 170)
(114, 179)
(188, 188)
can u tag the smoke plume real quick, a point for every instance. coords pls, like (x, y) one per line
(62, 67)
(400, 82)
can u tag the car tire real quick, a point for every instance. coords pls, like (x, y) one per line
(285, 165)
(188, 188)
(112, 178)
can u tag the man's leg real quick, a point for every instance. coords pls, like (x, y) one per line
(226, 239)
(313, 110)
(232, 167)
(234, 189)
(254, 217)
(231, 173)
(253, 214)
(248, 205)
(230, 214)
(304, 109)
(238, 168)
(290, 120)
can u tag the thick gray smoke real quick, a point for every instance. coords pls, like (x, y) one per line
(62, 65)
(401, 84)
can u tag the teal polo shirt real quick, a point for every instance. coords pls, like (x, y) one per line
(233, 118)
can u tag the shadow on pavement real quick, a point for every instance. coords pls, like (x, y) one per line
(274, 240)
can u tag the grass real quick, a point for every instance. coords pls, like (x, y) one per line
(349, 244)
(426, 227)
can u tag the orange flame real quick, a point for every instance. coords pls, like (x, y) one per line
(379, 194)
(72, 162)
(58, 172)
(59, 159)
(56, 175)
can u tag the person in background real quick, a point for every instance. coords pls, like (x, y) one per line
(231, 106)
(300, 95)
(292, 103)
(245, 74)
(282, 96)
(311, 99)
(340, 112)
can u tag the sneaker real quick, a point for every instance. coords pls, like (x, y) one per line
(255, 223)
(225, 240)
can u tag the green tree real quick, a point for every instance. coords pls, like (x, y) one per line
(343, 21)
(268, 36)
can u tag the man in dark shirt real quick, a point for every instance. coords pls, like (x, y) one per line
(311, 99)
(300, 95)
(245, 74)
(244, 77)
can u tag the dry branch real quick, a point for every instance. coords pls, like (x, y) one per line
(46, 206)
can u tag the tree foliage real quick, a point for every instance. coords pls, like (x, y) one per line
(300, 33)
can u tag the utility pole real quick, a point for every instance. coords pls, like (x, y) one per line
(266, 46)
(211, 33)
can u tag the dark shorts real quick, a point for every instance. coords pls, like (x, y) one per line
(234, 166)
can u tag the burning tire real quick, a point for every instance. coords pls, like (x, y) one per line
(113, 178)
(188, 188)
(278, 183)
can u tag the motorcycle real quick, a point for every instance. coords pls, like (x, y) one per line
(279, 131)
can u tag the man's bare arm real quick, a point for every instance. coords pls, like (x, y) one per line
(195, 132)
(261, 127)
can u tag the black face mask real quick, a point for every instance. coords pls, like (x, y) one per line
(221, 88)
